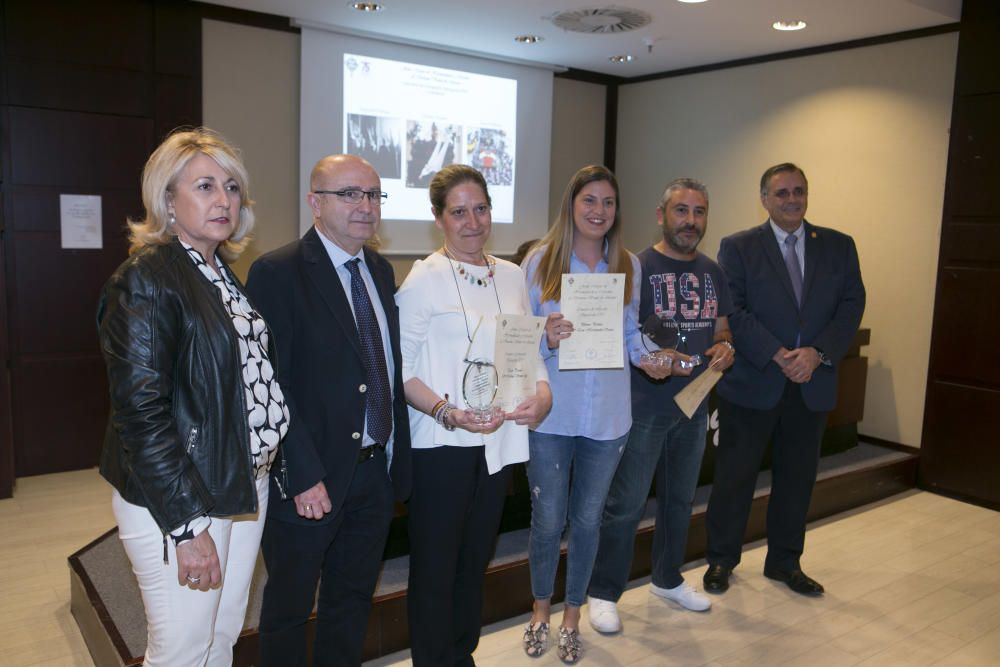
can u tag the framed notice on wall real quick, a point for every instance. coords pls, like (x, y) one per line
(80, 221)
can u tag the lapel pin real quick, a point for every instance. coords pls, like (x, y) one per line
(813, 235)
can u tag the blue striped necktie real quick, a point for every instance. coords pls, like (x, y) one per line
(378, 403)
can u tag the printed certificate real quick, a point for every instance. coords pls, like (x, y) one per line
(593, 302)
(517, 341)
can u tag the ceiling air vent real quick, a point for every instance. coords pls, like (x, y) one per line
(604, 20)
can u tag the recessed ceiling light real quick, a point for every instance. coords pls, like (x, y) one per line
(370, 7)
(788, 25)
(691, 2)
(528, 39)
(622, 59)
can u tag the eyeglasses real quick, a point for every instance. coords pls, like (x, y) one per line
(355, 196)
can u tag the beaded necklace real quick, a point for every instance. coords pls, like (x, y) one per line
(458, 267)
(461, 301)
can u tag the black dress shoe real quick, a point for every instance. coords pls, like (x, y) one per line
(797, 580)
(716, 579)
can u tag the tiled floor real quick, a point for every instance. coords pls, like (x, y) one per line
(49, 517)
(914, 580)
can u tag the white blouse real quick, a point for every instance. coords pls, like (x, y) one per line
(434, 337)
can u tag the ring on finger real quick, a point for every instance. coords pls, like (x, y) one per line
(192, 580)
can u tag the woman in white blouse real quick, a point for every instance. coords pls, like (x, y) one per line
(448, 308)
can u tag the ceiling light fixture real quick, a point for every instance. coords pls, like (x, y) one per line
(622, 59)
(370, 7)
(528, 39)
(788, 25)
(691, 2)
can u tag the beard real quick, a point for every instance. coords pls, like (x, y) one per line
(681, 244)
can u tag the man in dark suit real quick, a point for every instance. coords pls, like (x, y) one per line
(328, 299)
(797, 303)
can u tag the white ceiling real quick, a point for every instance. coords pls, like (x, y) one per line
(682, 35)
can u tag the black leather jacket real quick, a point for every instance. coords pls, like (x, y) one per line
(177, 441)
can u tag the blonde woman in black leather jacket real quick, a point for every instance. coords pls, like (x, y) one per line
(196, 410)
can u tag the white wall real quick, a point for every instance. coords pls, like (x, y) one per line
(577, 133)
(250, 93)
(870, 128)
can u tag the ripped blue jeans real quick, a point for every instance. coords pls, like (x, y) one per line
(569, 479)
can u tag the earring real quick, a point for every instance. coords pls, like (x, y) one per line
(172, 220)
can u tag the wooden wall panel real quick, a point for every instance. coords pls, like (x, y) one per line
(107, 33)
(6, 408)
(958, 453)
(88, 90)
(58, 426)
(75, 149)
(963, 459)
(178, 103)
(974, 159)
(977, 70)
(36, 209)
(970, 242)
(33, 83)
(55, 315)
(967, 309)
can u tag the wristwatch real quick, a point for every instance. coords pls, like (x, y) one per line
(823, 359)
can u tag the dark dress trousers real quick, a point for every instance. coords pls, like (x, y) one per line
(758, 404)
(323, 377)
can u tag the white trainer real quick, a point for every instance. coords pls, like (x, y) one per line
(684, 595)
(604, 616)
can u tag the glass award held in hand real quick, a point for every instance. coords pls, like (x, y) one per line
(479, 385)
(661, 336)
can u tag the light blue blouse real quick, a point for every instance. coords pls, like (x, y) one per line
(592, 403)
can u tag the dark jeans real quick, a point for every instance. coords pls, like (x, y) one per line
(669, 448)
(796, 432)
(345, 555)
(454, 515)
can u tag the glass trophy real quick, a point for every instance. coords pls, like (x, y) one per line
(479, 389)
(660, 336)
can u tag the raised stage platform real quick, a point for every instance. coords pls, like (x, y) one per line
(106, 604)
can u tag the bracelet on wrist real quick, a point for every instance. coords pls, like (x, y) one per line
(445, 413)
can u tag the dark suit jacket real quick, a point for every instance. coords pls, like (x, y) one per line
(765, 316)
(321, 371)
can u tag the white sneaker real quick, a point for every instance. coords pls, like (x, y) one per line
(684, 595)
(604, 616)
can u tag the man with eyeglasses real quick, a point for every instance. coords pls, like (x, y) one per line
(682, 286)
(798, 300)
(328, 299)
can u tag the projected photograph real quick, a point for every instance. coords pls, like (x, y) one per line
(430, 145)
(410, 120)
(489, 152)
(376, 139)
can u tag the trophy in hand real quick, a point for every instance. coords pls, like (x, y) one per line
(479, 389)
(661, 335)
